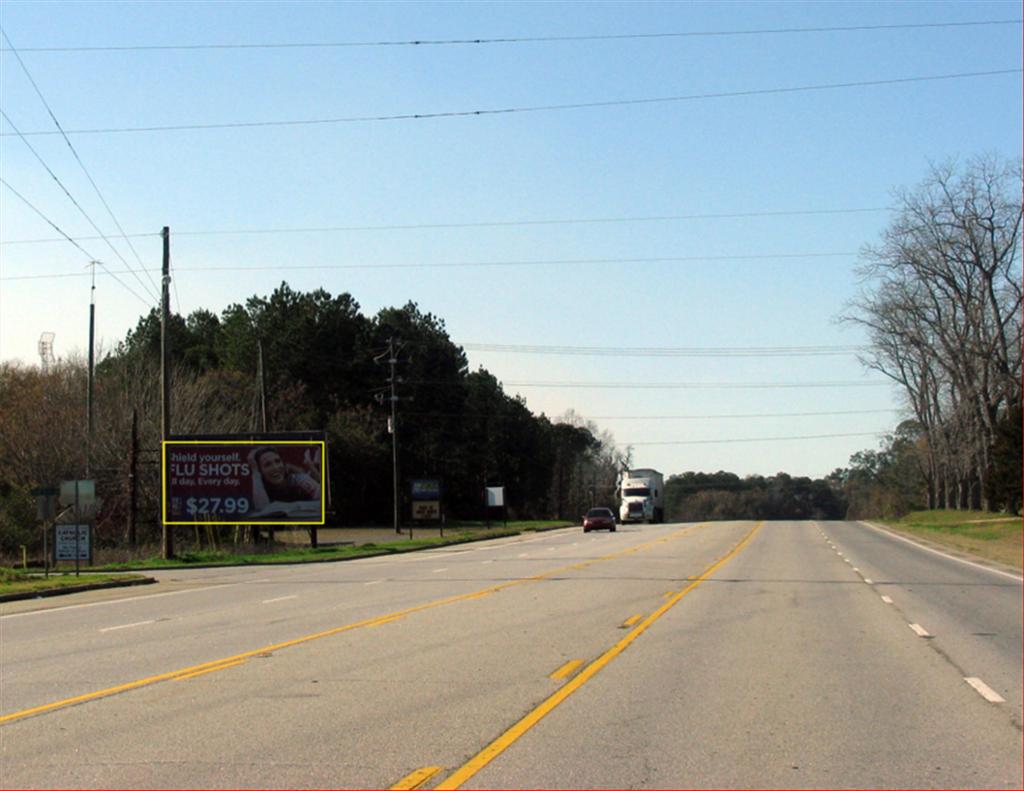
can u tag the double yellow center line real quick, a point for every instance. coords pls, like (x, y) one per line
(233, 661)
(509, 737)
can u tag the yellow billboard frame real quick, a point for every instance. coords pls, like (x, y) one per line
(292, 522)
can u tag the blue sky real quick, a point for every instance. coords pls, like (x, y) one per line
(780, 152)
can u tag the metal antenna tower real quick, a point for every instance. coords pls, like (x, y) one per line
(46, 358)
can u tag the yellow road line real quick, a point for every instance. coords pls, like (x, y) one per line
(224, 666)
(387, 619)
(509, 737)
(143, 682)
(416, 779)
(630, 621)
(567, 669)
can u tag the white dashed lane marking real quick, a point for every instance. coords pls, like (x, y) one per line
(887, 600)
(126, 626)
(985, 690)
(919, 630)
(279, 598)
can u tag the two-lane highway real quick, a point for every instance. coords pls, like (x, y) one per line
(718, 655)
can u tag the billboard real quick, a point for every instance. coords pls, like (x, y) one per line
(224, 481)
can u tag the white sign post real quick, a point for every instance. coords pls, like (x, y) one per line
(82, 495)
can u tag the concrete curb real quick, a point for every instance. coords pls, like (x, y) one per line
(93, 586)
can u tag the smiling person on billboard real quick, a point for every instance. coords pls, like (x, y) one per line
(278, 485)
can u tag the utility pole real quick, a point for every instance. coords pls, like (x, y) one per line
(264, 427)
(133, 481)
(263, 387)
(392, 360)
(165, 373)
(89, 393)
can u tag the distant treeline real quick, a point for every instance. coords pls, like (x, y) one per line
(700, 496)
(326, 368)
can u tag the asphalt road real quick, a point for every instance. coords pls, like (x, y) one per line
(731, 654)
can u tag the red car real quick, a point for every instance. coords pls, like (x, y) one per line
(599, 519)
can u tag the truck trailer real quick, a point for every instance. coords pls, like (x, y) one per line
(642, 494)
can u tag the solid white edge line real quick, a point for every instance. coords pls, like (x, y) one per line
(913, 543)
(126, 626)
(919, 630)
(125, 600)
(985, 690)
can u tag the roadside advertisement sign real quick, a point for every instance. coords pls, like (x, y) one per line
(268, 480)
(426, 499)
(69, 538)
(425, 489)
(426, 510)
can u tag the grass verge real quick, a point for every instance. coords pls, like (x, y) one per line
(988, 535)
(12, 581)
(460, 535)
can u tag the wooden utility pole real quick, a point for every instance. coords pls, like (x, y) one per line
(92, 367)
(165, 375)
(133, 480)
(264, 427)
(392, 362)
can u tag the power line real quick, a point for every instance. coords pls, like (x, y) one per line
(520, 39)
(752, 439)
(531, 109)
(667, 385)
(663, 351)
(78, 206)
(556, 419)
(742, 416)
(475, 264)
(81, 164)
(488, 224)
(59, 230)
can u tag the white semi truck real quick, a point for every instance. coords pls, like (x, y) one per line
(642, 494)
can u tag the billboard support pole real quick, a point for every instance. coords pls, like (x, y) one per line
(165, 374)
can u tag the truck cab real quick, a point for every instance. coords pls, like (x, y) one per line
(642, 496)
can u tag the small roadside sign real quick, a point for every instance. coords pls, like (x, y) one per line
(72, 542)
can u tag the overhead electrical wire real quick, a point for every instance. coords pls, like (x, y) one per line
(665, 351)
(556, 419)
(663, 385)
(743, 416)
(752, 439)
(524, 39)
(90, 256)
(84, 213)
(474, 264)
(484, 224)
(530, 109)
(85, 170)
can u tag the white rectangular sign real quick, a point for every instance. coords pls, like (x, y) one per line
(64, 542)
(495, 496)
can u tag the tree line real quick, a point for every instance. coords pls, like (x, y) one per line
(320, 357)
(941, 301)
